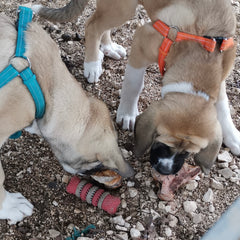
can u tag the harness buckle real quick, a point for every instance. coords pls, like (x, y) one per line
(20, 69)
(173, 31)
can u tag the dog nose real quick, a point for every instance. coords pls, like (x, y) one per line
(164, 160)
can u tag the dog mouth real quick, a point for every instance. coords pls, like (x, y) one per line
(107, 177)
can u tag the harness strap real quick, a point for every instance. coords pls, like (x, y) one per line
(27, 76)
(208, 43)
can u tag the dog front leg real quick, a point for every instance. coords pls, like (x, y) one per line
(144, 51)
(231, 136)
(131, 90)
(13, 206)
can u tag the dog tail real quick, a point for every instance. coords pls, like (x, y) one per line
(65, 14)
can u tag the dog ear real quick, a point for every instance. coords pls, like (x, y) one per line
(207, 156)
(144, 130)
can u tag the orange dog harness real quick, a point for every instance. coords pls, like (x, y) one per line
(207, 42)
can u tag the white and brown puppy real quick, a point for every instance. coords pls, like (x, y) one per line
(78, 128)
(193, 115)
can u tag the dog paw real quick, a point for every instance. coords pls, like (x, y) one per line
(126, 118)
(114, 51)
(15, 207)
(233, 142)
(93, 70)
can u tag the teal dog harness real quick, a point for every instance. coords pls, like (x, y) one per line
(27, 76)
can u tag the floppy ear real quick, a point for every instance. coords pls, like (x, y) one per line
(144, 130)
(207, 156)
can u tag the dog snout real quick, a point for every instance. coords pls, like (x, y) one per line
(164, 160)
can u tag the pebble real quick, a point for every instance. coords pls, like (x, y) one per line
(168, 232)
(55, 203)
(226, 172)
(173, 221)
(120, 228)
(109, 232)
(191, 185)
(133, 192)
(154, 214)
(130, 184)
(140, 227)
(215, 184)
(122, 236)
(135, 233)
(53, 233)
(65, 179)
(223, 165)
(152, 194)
(119, 220)
(211, 208)
(197, 218)
(224, 157)
(77, 211)
(189, 206)
(84, 238)
(124, 203)
(208, 196)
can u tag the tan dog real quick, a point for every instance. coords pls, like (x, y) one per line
(78, 128)
(193, 115)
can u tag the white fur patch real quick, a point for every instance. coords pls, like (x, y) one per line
(36, 8)
(182, 87)
(114, 51)
(93, 70)
(33, 129)
(231, 136)
(131, 90)
(15, 207)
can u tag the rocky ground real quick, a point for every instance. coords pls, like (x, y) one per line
(32, 169)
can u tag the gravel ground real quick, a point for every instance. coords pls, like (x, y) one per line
(32, 169)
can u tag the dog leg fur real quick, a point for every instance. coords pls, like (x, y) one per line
(144, 52)
(97, 27)
(13, 206)
(231, 136)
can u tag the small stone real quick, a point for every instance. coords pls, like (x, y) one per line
(173, 221)
(77, 211)
(135, 233)
(152, 194)
(119, 220)
(226, 172)
(53, 233)
(124, 203)
(197, 218)
(224, 157)
(161, 205)
(168, 232)
(70, 226)
(65, 179)
(208, 196)
(140, 227)
(154, 214)
(55, 203)
(130, 184)
(211, 208)
(133, 192)
(120, 228)
(192, 185)
(223, 165)
(84, 238)
(66, 37)
(215, 184)
(189, 206)
(122, 236)
(109, 232)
